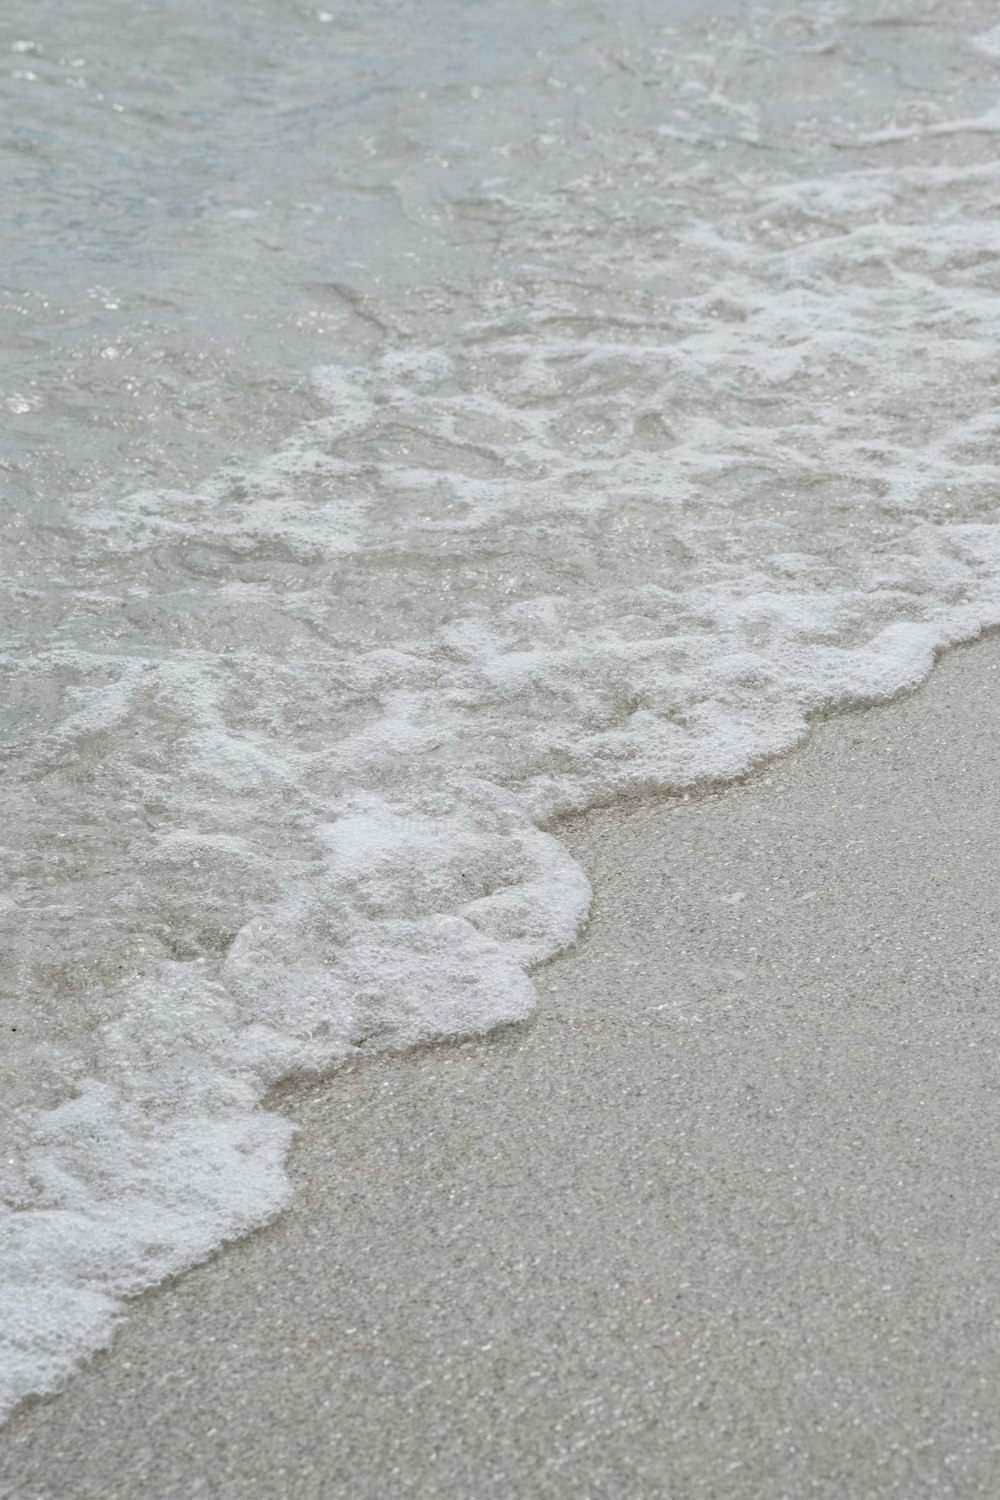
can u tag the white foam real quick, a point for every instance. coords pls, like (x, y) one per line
(988, 42)
(701, 447)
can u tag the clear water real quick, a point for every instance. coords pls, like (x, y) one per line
(421, 418)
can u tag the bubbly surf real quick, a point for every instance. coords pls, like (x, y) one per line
(422, 422)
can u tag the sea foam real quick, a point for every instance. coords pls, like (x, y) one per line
(678, 428)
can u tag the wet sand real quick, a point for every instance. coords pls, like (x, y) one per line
(721, 1222)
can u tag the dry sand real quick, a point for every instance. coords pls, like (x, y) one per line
(722, 1222)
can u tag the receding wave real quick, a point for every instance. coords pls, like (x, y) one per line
(683, 430)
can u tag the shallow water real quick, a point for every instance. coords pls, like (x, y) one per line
(421, 420)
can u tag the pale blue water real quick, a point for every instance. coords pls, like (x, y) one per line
(419, 420)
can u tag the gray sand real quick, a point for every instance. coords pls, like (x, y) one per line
(722, 1222)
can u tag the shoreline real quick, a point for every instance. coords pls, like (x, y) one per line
(719, 1220)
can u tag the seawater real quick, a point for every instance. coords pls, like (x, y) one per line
(421, 419)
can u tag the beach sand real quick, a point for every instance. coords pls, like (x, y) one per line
(722, 1221)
